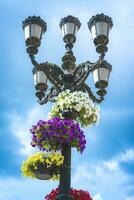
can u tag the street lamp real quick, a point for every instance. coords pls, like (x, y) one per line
(69, 26)
(33, 27)
(69, 75)
(100, 26)
(40, 81)
(101, 77)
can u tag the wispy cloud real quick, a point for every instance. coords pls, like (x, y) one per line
(20, 126)
(130, 198)
(117, 113)
(124, 157)
(105, 180)
(20, 189)
(97, 197)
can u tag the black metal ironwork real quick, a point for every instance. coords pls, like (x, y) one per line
(68, 76)
(33, 42)
(65, 174)
(75, 80)
(70, 38)
(70, 19)
(35, 20)
(101, 40)
(100, 17)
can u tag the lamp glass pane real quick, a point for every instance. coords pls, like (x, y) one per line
(27, 31)
(100, 28)
(40, 77)
(69, 28)
(101, 74)
(104, 74)
(93, 31)
(36, 30)
(95, 75)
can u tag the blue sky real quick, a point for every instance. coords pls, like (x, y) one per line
(106, 169)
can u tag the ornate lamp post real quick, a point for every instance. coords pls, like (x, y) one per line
(69, 75)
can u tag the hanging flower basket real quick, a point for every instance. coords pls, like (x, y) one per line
(43, 166)
(51, 135)
(76, 195)
(69, 114)
(42, 174)
(88, 113)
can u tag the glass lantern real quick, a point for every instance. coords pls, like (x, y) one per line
(33, 28)
(100, 26)
(101, 75)
(40, 79)
(69, 26)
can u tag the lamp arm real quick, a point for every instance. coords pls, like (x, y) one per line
(54, 74)
(82, 72)
(52, 71)
(101, 58)
(91, 96)
(50, 96)
(33, 61)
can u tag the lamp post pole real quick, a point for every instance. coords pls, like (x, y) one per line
(69, 75)
(65, 175)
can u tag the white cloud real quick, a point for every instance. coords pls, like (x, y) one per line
(127, 156)
(20, 126)
(130, 198)
(97, 197)
(117, 113)
(4, 195)
(20, 189)
(114, 163)
(105, 179)
(96, 178)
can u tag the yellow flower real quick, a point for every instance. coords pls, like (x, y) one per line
(48, 159)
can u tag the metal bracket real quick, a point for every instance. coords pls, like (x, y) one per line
(62, 81)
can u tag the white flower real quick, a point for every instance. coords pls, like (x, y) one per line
(78, 108)
(79, 101)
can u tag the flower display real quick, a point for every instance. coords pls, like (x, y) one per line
(46, 164)
(76, 101)
(52, 134)
(76, 194)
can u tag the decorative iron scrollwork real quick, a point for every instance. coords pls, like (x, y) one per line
(62, 81)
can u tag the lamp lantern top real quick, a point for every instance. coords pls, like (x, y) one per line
(70, 19)
(35, 20)
(105, 64)
(100, 18)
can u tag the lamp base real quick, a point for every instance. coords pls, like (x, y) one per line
(101, 39)
(101, 84)
(101, 42)
(102, 92)
(32, 50)
(101, 48)
(69, 62)
(39, 94)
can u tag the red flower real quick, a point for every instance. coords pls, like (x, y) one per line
(76, 194)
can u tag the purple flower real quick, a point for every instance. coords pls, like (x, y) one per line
(52, 134)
